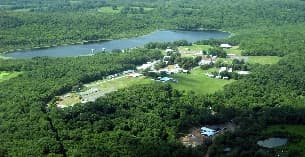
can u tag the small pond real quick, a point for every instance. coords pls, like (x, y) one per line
(272, 142)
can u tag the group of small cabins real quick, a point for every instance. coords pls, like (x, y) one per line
(228, 70)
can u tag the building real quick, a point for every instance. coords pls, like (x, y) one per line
(222, 69)
(207, 131)
(168, 50)
(226, 46)
(185, 71)
(230, 70)
(205, 62)
(218, 77)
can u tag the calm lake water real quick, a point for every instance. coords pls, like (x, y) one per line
(272, 142)
(85, 49)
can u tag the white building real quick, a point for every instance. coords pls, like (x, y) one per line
(222, 69)
(169, 50)
(226, 46)
(207, 131)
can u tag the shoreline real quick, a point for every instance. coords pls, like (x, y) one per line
(84, 42)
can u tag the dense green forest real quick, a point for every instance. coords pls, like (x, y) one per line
(28, 24)
(147, 120)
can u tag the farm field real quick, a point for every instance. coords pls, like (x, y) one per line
(198, 82)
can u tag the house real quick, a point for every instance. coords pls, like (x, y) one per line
(205, 62)
(185, 71)
(169, 50)
(166, 57)
(207, 131)
(243, 72)
(230, 70)
(226, 46)
(222, 69)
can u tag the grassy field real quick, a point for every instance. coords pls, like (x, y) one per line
(196, 47)
(189, 51)
(295, 130)
(264, 59)
(7, 75)
(119, 83)
(2, 57)
(234, 50)
(103, 87)
(197, 81)
(109, 10)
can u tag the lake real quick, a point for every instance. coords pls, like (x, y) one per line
(85, 49)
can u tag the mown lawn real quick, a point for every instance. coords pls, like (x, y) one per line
(234, 50)
(298, 130)
(198, 82)
(7, 75)
(120, 83)
(264, 59)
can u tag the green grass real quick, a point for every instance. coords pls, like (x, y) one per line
(109, 10)
(292, 129)
(190, 51)
(234, 50)
(7, 75)
(2, 57)
(197, 81)
(264, 59)
(196, 47)
(104, 86)
(120, 83)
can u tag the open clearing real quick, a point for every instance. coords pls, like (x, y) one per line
(298, 130)
(7, 75)
(264, 59)
(198, 82)
(97, 89)
(109, 10)
(2, 57)
(189, 51)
